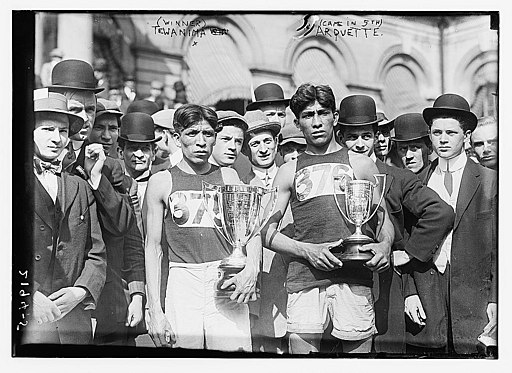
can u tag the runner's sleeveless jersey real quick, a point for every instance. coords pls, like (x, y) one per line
(190, 234)
(318, 220)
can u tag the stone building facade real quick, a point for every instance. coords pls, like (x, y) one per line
(403, 61)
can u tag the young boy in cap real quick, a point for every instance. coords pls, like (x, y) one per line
(230, 138)
(291, 143)
(412, 142)
(319, 285)
(193, 317)
(420, 218)
(457, 289)
(69, 253)
(168, 154)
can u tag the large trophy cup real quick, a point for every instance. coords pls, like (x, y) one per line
(239, 214)
(357, 209)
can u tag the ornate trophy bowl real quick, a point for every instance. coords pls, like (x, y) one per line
(358, 209)
(236, 214)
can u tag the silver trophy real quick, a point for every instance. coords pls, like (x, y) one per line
(358, 209)
(238, 219)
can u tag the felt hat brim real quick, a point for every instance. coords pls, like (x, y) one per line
(256, 104)
(431, 112)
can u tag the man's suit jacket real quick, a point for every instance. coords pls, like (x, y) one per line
(79, 251)
(421, 220)
(122, 240)
(125, 275)
(472, 265)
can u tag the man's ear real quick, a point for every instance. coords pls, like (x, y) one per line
(119, 152)
(467, 135)
(296, 122)
(177, 139)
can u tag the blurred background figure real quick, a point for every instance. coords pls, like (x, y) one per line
(129, 88)
(56, 55)
(156, 94)
(181, 94)
(101, 74)
(484, 142)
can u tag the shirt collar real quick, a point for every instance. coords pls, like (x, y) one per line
(143, 177)
(261, 172)
(373, 157)
(455, 163)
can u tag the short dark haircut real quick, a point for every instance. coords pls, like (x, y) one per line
(230, 123)
(308, 93)
(190, 114)
(462, 121)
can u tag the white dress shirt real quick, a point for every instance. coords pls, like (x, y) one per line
(436, 183)
(141, 185)
(266, 175)
(50, 182)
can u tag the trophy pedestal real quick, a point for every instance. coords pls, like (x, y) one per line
(227, 270)
(350, 249)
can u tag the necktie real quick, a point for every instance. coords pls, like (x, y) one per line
(267, 179)
(448, 180)
(44, 166)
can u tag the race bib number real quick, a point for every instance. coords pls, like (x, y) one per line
(188, 209)
(318, 180)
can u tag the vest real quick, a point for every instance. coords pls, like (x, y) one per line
(190, 233)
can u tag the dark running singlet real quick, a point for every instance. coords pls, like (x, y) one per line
(189, 231)
(318, 220)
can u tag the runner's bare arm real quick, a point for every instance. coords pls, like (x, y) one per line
(318, 255)
(159, 187)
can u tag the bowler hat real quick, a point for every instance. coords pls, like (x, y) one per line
(384, 121)
(106, 106)
(410, 126)
(226, 117)
(138, 127)
(53, 102)
(74, 74)
(358, 110)
(164, 118)
(290, 133)
(142, 106)
(266, 94)
(450, 105)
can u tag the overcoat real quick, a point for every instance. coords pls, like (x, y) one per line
(421, 220)
(472, 266)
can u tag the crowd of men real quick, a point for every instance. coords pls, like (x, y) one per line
(123, 246)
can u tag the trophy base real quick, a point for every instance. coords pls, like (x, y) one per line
(226, 271)
(350, 249)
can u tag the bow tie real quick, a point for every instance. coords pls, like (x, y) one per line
(44, 166)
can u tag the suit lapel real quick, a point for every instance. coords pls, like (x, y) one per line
(43, 203)
(68, 189)
(383, 168)
(468, 186)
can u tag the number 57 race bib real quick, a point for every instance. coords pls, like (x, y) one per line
(317, 180)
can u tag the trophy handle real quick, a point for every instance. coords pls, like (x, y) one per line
(336, 199)
(382, 184)
(213, 188)
(273, 201)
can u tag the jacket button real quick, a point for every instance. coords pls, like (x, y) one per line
(41, 227)
(38, 257)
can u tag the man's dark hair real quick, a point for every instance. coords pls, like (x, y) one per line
(189, 114)
(308, 93)
(462, 121)
(232, 123)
